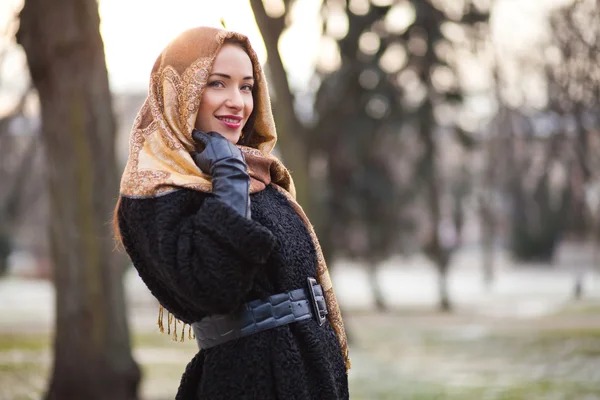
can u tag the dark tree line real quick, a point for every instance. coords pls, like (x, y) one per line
(549, 156)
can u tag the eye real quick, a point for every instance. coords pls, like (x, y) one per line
(247, 88)
(216, 84)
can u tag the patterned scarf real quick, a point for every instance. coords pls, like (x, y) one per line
(160, 144)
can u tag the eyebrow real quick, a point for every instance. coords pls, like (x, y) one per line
(229, 77)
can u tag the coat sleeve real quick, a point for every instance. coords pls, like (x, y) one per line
(194, 251)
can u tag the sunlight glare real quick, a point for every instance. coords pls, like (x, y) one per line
(299, 43)
(394, 58)
(329, 55)
(274, 8)
(400, 17)
(369, 43)
(359, 7)
(136, 31)
(337, 23)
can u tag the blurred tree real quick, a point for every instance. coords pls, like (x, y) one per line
(294, 138)
(538, 205)
(573, 77)
(525, 168)
(551, 156)
(16, 149)
(15, 169)
(65, 54)
(372, 144)
(312, 145)
(291, 139)
(379, 127)
(489, 175)
(358, 115)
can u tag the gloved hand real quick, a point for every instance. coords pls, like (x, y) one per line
(222, 160)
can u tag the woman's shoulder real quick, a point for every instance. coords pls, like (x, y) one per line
(274, 192)
(176, 195)
(178, 201)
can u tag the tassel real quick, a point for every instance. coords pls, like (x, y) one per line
(175, 330)
(182, 334)
(161, 311)
(170, 321)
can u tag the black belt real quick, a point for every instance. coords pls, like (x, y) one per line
(260, 315)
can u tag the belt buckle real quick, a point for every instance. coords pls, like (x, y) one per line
(312, 282)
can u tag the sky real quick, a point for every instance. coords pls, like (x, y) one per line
(135, 31)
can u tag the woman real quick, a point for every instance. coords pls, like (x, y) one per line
(208, 218)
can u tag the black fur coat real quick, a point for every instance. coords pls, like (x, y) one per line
(199, 257)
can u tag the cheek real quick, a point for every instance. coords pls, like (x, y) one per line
(249, 106)
(205, 110)
(200, 115)
(203, 118)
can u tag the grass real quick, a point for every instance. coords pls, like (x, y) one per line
(28, 342)
(581, 308)
(475, 360)
(400, 357)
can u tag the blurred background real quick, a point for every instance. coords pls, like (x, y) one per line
(447, 152)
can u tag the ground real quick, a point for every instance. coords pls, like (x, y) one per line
(523, 338)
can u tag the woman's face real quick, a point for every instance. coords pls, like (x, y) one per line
(227, 102)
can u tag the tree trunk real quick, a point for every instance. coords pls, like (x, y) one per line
(444, 296)
(3, 263)
(434, 248)
(5, 250)
(536, 226)
(65, 54)
(578, 287)
(580, 266)
(486, 223)
(380, 304)
(291, 138)
(488, 262)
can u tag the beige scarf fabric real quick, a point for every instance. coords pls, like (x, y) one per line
(160, 143)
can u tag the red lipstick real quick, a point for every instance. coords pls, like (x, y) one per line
(230, 121)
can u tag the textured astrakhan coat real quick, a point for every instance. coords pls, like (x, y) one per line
(199, 257)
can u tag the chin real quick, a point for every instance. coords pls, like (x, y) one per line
(232, 137)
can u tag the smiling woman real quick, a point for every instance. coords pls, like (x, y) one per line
(227, 102)
(210, 222)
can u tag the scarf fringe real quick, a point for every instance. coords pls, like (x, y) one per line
(173, 322)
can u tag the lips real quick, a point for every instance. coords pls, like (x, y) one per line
(230, 121)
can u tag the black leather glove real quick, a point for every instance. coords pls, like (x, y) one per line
(222, 160)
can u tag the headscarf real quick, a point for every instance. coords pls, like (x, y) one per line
(160, 143)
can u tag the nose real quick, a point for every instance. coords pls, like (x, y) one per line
(235, 100)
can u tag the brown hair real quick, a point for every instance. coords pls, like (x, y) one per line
(115, 223)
